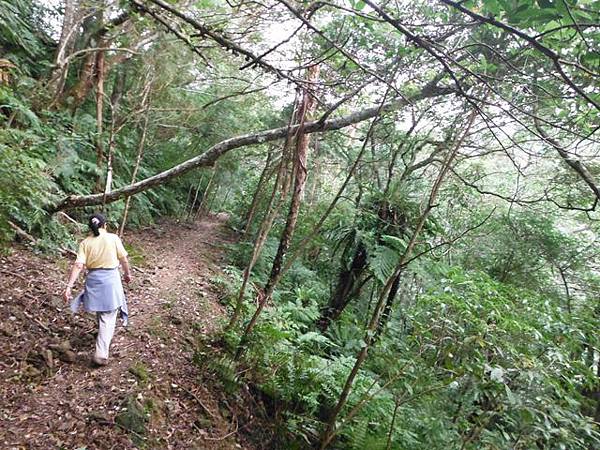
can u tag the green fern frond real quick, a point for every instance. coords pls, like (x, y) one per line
(383, 261)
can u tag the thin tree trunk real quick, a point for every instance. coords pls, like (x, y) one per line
(330, 429)
(187, 202)
(282, 184)
(109, 163)
(392, 164)
(64, 48)
(189, 215)
(392, 422)
(597, 413)
(211, 202)
(99, 64)
(566, 285)
(256, 197)
(360, 188)
(387, 310)
(226, 196)
(136, 168)
(369, 305)
(115, 103)
(119, 89)
(315, 175)
(300, 173)
(374, 168)
(205, 194)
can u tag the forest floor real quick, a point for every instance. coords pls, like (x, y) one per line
(151, 395)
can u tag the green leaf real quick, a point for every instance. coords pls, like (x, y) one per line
(395, 242)
(383, 262)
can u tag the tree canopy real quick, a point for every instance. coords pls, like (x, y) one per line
(415, 185)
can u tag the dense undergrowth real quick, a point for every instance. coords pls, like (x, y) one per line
(475, 235)
(465, 361)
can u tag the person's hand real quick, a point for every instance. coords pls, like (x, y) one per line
(127, 277)
(67, 294)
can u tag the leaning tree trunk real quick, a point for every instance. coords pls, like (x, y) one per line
(282, 184)
(136, 168)
(344, 288)
(300, 173)
(368, 338)
(389, 303)
(257, 192)
(68, 34)
(208, 157)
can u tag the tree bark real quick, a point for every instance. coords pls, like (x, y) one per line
(136, 168)
(282, 184)
(256, 197)
(387, 309)
(94, 36)
(300, 174)
(92, 17)
(99, 65)
(344, 287)
(66, 42)
(315, 175)
(388, 445)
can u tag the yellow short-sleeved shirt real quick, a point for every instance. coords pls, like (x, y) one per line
(101, 252)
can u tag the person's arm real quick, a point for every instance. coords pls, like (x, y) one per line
(122, 256)
(75, 271)
(126, 269)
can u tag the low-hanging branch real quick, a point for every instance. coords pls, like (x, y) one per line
(209, 157)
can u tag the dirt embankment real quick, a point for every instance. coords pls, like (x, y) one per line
(151, 395)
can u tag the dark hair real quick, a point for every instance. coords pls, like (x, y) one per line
(96, 222)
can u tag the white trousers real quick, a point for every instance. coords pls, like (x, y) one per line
(106, 329)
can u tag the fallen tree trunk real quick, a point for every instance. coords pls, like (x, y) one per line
(209, 157)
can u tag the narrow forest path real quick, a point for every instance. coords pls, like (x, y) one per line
(150, 395)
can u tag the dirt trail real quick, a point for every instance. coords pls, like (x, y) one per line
(151, 394)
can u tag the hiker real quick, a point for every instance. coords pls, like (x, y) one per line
(100, 253)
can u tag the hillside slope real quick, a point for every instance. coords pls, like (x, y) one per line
(151, 394)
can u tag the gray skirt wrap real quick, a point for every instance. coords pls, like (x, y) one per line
(102, 292)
